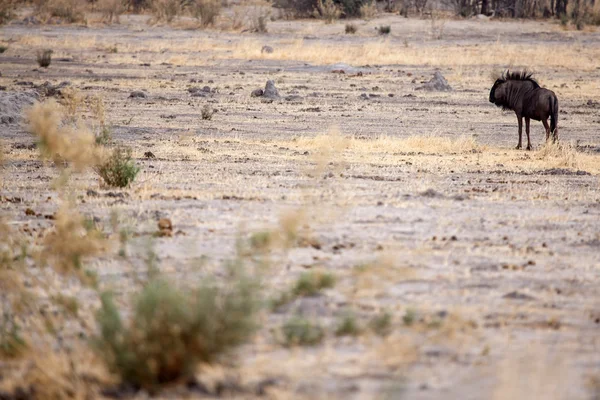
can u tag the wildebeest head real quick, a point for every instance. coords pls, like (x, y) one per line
(497, 93)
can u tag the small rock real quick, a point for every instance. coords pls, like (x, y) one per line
(431, 193)
(165, 227)
(266, 49)
(149, 154)
(256, 93)
(271, 91)
(137, 94)
(437, 83)
(518, 296)
(29, 211)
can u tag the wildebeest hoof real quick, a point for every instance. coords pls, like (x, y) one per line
(528, 148)
(518, 147)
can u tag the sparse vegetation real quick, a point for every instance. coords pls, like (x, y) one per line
(207, 112)
(351, 29)
(104, 136)
(348, 326)
(299, 331)
(172, 330)
(206, 11)
(384, 29)
(111, 10)
(166, 10)
(381, 323)
(44, 58)
(368, 10)
(7, 11)
(308, 284)
(70, 11)
(12, 344)
(74, 237)
(258, 17)
(311, 283)
(328, 11)
(410, 316)
(119, 169)
(61, 142)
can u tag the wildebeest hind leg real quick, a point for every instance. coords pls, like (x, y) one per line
(547, 127)
(520, 131)
(527, 120)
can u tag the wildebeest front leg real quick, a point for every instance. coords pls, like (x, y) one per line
(520, 118)
(527, 120)
(547, 128)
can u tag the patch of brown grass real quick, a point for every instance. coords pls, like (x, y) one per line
(72, 239)
(559, 155)
(72, 11)
(165, 10)
(111, 10)
(62, 142)
(76, 375)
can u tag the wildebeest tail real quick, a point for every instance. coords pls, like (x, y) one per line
(554, 113)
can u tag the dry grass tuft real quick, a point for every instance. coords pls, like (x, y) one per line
(299, 331)
(59, 375)
(559, 155)
(7, 11)
(206, 11)
(334, 142)
(73, 239)
(111, 10)
(71, 11)
(368, 10)
(60, 142)
(165, 10)
(44, 58)
(328, 11)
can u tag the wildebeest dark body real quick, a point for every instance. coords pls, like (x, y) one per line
(519, 92)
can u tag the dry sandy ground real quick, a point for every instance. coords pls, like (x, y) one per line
(417, 200)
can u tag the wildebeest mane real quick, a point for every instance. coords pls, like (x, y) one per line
(520, 76)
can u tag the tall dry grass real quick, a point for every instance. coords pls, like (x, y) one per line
(335, 142)
(386, 52)
(380, 51)
(62, 142)
(71, 11)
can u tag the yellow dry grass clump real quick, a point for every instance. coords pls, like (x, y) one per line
(72, 239)
(61, 142)
(334, 142)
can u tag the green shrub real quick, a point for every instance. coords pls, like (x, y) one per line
(104, 137)
(172, 330)
(351, 29)
(299, 331)
(381, 324)
(311, 283)
(347, 326)
(409, 317)
(12, 345)
(384, 29)
(119, 170)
